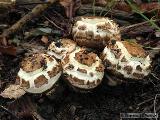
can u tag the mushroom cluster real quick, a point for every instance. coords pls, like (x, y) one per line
(81, 67)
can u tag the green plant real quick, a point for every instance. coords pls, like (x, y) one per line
(93, 6)
(136, 10)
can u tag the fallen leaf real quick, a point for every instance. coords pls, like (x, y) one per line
(44, 39)
(13, 92)
(147, 7)
(10, 50)
(70, 6)
(123, 7)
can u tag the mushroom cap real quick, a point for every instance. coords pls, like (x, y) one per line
(95, 32)
(126, 59)
(38, 73)
(60, 48)
(83, 69)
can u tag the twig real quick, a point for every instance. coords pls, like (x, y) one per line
(125, 29)
(53, 23)
(37, 116)
(155, 76)
(17, 26)
(155, 105)
(145, 101)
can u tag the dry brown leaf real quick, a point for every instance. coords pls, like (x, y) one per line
(123, 7)
(70, 6)
(10, 50)
(44, 39)
(13, 92)
(146, 7)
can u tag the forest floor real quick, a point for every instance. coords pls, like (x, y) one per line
(104, 102)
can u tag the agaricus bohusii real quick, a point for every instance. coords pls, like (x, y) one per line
(82, 69)
(126, 60)
(60, 48)
(39, 73)
(95, 32)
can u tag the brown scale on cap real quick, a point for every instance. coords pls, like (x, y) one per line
(116, 52)
(25, 84)
(33, 63)
(97, 37)
(70, 67)
(118, 67)
(100, 68)
(128, 69)
(138, 75)
(40, 81)
(139, 68)
(54, 71)
(86, 58)
(22, 82)
(135, 49)
(114, 49)
(82, 70)
(112, 45)
(104, 26)
(77, 81)
(82, 27)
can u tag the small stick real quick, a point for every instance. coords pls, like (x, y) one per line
(17, 26)
(125, 29)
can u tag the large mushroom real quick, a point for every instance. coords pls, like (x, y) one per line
(38, 73)
(95, 32)
(126, 60)
(83, 69)
(60, 48)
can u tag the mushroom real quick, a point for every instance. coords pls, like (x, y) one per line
(95, 32)
(82, 69)
(38, 73)
(60, 48)
(126, 60)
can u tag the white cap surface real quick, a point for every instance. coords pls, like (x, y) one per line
(126, 59)
(83, 69)
(38, 73)
(61, 48)
(95, 31)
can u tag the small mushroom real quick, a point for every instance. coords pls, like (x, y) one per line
(60, 48)
(82, 69)
(95, 32)
(38, 73)
(126, 60)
